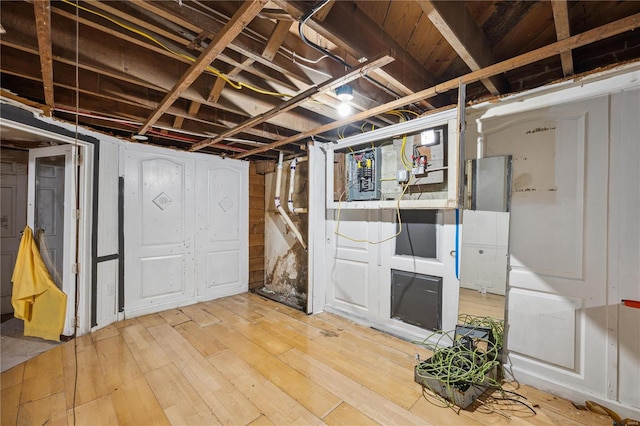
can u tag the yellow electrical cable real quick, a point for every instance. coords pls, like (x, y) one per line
(236, 85)
(403, 157)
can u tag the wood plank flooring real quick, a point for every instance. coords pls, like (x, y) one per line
(244, 360)
(472, 302)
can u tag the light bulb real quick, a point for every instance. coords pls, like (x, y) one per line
(344, 109)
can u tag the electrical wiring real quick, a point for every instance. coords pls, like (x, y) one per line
(496, 325)
(234, 84)
(356, 240)
(467, 362)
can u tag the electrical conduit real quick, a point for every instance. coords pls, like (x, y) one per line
(279, 207)
(292, 209)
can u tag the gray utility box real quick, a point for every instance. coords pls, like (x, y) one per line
(460, 395)
(363, 174)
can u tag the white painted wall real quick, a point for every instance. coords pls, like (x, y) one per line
(574, 240)
(574, 236)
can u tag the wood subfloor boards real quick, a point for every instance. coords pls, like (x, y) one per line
(245, 360)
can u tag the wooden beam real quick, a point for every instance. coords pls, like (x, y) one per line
(352, 30)
(241, 19)
(243, 44)
(322, 13)
(561, 19)
(605, 31)
(299, 99)
(194, 107)
(275, 40)
(269, 52)
(42, 10)
(460, 30)
(216, 90)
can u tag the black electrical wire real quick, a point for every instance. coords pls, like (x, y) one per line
(303, 22)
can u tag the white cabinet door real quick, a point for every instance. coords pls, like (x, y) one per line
(159, 231)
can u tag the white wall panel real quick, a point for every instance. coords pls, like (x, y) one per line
(107, 292)
(624, 244)
(544, 326)
(575, 236)
(108, 199)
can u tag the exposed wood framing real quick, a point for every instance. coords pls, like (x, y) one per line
(605, 31)
(42, 10)
(455, 23)
(561, 19)
(405, 75)
(243, 16)
(331, 84)
(275, 41)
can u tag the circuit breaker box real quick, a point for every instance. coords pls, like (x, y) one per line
(363, 174)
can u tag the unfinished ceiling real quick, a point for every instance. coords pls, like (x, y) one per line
(238, 79)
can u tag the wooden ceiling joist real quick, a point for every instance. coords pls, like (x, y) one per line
(561, 20)
(455, 23)
(42, 10)
(247, 11)
(605, 31)
(406, 75)
(331, 84)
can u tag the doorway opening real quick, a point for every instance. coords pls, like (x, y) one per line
(46, 185)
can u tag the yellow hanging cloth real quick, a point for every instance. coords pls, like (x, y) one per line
(35, 297)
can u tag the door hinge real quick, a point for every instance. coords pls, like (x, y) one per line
(79, 159)
(76, 214)
(75, 268)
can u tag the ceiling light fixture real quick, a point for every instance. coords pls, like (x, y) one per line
(344, 93)
(344, 109)
(139, 137)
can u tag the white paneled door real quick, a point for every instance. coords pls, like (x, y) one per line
(52, 213)
(222, 228)
(159, 234)
(186, 228)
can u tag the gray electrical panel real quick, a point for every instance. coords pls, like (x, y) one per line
(363, 174)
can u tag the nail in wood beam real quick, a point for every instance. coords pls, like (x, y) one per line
(42, 10)
(600, 33)
(561, 19)
(238, 22)
(299, 99)
(461, 31)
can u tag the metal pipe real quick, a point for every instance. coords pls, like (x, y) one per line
(292, 176)
(279, 207)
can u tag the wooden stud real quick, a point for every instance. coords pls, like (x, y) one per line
(561, 19)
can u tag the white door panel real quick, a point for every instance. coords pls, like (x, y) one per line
(13, 218)
(159, 233)
(557, 238)
(50, 213)
(222, 212)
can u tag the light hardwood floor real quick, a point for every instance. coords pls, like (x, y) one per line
(243, 360)
(472, 302)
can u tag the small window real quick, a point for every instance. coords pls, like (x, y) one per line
(418, 236)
